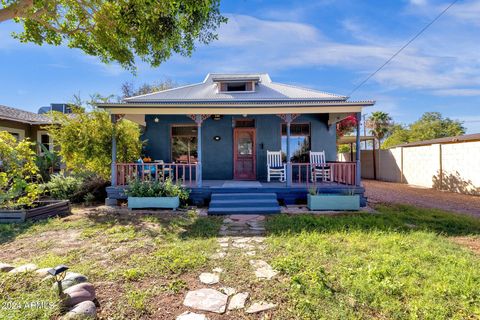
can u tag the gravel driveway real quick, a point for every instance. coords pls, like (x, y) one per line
(380, 191)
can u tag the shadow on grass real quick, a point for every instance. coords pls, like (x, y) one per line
(399, 218)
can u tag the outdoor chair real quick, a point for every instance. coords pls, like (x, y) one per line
(275, 166)
(319, 167)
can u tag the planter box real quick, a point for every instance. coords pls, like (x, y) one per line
(45, 209)
(333, 202)
(153, 202)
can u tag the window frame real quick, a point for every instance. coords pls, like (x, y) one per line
(20, 132)
(39, 141)
(252, 84)
(291, 135)
(173, 125)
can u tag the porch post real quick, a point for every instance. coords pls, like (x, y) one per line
(198, 121)
(358, 173)
(288, 119)
(114, 151)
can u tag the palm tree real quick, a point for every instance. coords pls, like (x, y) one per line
(380, 124)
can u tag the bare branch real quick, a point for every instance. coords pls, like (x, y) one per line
(15, 10)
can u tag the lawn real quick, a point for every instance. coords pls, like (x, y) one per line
(400, 263)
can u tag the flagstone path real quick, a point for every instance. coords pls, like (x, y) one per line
(244, 233)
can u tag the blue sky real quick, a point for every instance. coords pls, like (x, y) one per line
(329, 45)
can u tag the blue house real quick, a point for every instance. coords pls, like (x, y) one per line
(214, 137)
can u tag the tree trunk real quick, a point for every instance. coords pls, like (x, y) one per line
(15, 10)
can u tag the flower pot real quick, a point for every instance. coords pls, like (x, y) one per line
(153, 202)
(333, 202)
(42, 210)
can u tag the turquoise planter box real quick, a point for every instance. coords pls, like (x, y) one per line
(333, 202)
(153, 202)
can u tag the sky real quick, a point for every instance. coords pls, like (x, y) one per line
(329, 45)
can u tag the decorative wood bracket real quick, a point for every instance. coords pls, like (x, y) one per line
(117, 117)
(198, 118)
(288, 117)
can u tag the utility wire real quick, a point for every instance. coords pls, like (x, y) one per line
(401, 49)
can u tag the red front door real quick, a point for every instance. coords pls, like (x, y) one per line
(244, 154)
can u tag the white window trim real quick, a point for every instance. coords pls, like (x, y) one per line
(219, 86)
(39, 141)
(20, 132)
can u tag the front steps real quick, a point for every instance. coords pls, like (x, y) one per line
(243, 203)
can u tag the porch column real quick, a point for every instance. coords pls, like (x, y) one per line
(358, 173)
(199, 118)
(288, 172)
(114, 151)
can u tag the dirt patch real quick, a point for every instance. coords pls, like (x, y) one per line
(389, 192)
(472, 243)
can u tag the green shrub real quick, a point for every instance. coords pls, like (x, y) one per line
(77, 188)
(157, 189)
(63, 188)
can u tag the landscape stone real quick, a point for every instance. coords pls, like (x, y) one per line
(79, 293)
(209, 278)
(228, 290)
(218, 255)
(224, 245)
(83, 310)
(71, 279)
(30, 267)
(187, 315)
(250, 253)
(43, 272)
(5, 267)
(217, 270)
(260, 306)
(263, 269)
(206, 300)
(223, 240)
(238, 301)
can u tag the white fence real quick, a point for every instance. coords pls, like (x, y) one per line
(452, 167)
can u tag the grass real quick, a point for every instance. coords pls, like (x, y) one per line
(401, 263)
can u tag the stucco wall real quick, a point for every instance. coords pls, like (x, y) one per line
(29, 130)
(452, 167)
(218, 155)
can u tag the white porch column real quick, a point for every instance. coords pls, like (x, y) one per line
(199, 118)
(289, 161)
(358, 172)
(114, 151)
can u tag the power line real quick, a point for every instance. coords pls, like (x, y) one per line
(404, 46)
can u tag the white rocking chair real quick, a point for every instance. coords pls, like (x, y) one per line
(275, 167)
(319, 167)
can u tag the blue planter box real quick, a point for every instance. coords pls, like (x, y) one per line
(333, 202)
(153, 202)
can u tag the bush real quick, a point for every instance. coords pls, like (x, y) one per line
(77, 188)
(157, 189)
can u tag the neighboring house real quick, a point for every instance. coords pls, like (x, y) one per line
(59, 107)
(222, 128)
(24, 124)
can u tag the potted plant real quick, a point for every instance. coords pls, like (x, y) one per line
(20, 190)
(330, 201)
(156, 194)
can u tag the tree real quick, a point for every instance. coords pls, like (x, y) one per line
(431, 125)
(380, 124)
(85, 140)
(129, 90)
(346, 126)
(118, 30)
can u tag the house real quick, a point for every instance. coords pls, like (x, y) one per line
(24, 124)
(214, 136)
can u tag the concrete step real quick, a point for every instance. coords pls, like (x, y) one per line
(243, 196)
(244, 210)
(260, 203)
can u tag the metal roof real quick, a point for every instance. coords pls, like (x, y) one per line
(455, 139)
(14, 114)
(265, 90)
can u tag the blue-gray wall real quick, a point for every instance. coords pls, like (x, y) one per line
(218, 155)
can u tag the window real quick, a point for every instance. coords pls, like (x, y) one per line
(44, 142)
(18, 134)
(299, 141)
(244, 123)
(184, 144)
(247, 86)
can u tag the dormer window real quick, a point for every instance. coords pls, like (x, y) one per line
(236, 86)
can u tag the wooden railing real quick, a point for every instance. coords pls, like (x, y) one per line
(185, 173)
(339, 172)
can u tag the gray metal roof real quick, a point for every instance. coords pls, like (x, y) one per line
(265, 90)
(13, 114)
(455, 139)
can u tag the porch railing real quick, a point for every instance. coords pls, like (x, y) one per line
(185, 173)
(339, 172)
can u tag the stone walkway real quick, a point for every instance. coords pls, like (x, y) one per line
(238, 232)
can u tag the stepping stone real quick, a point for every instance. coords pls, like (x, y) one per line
(228, 290)
(5, 267)
(206, 300)
(238, 301)
(224, 245)
(187, 315)
(209, 278)
(263, 269)
(223, 240)
(30, 267)
(243, 245)
(83, 310)
(250, 253)
(260, 306)
(217, 270)
(218, 255)
(79, 293)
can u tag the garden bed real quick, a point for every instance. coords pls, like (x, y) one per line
(41, 210)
